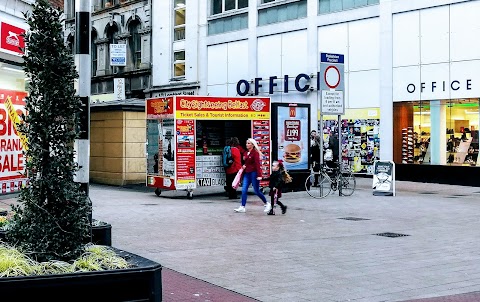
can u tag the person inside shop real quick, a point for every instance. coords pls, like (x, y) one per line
(252, 174)
(155, 164)
(232, 168)
(314, 157)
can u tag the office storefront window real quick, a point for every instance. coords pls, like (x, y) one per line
(437, 132)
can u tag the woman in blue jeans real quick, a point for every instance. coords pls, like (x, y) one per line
(252, 174)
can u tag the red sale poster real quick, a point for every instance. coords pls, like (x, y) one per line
(185, 149)
(12, 161)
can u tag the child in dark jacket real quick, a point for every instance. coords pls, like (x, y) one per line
(278, 179)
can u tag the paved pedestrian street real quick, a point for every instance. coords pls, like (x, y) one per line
(321, 250)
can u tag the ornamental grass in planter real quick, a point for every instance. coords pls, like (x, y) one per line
(51, 221)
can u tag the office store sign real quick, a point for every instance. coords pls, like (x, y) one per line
(301, 83)
(11, 38)
(437, 82)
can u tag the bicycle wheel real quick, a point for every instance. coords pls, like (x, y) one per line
(348, 183)
(322, 189)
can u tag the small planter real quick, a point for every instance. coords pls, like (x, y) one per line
(102, 234)
(142, 283)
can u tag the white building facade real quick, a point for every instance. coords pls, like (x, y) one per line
(411, 77)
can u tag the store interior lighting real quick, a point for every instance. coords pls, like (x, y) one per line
(11, 69)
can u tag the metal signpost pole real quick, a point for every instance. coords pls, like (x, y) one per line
(332, 89)
(83, 88)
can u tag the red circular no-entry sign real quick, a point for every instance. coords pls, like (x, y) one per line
(332, 77)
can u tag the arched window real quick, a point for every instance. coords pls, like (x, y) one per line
(112, 31)
(134, 42)
(93, 52)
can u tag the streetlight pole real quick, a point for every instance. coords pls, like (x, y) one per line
(83, 88)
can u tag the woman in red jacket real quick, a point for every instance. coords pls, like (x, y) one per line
(232, 170)
(252, 174)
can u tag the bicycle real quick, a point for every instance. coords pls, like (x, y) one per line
(327, 179)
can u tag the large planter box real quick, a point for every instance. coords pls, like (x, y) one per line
(101, 235)
(142, 283)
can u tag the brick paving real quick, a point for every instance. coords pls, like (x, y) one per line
(469, 297)
(178, 287)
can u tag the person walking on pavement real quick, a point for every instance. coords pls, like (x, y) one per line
(315, 154)
(232, 170)
(278, 178)
(252, 175)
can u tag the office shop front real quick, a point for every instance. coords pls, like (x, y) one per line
(436, 91)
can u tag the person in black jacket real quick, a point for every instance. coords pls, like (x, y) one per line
(314, 158)
(278, 179)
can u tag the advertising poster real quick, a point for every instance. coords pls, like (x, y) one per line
(12, 160)
(261, 133)
(360, 142)
(160, 151)
(292, 125)
(118, 54)
(384, 178)
(185, 146)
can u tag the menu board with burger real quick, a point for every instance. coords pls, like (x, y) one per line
(261, 133)
(292, 126)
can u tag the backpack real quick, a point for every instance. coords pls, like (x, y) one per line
(227, 158)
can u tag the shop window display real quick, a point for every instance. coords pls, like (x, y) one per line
(360, 142)
(441, 132)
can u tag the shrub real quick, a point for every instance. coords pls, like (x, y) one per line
(51, 221)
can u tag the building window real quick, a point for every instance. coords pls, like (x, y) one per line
(328, 6)
(283, 12)
(226, 24)
(112, 31)
(94, 53)
(179, 19)
(179, 63)
(70, 9)
(437, 132)
(135, 44)
(221, 6)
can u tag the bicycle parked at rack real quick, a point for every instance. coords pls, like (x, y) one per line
(320, 184)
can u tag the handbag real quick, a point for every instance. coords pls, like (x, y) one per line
(237, 179)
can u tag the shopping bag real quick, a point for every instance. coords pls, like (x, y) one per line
(237, 179)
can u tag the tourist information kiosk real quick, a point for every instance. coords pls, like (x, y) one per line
(186, 136)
